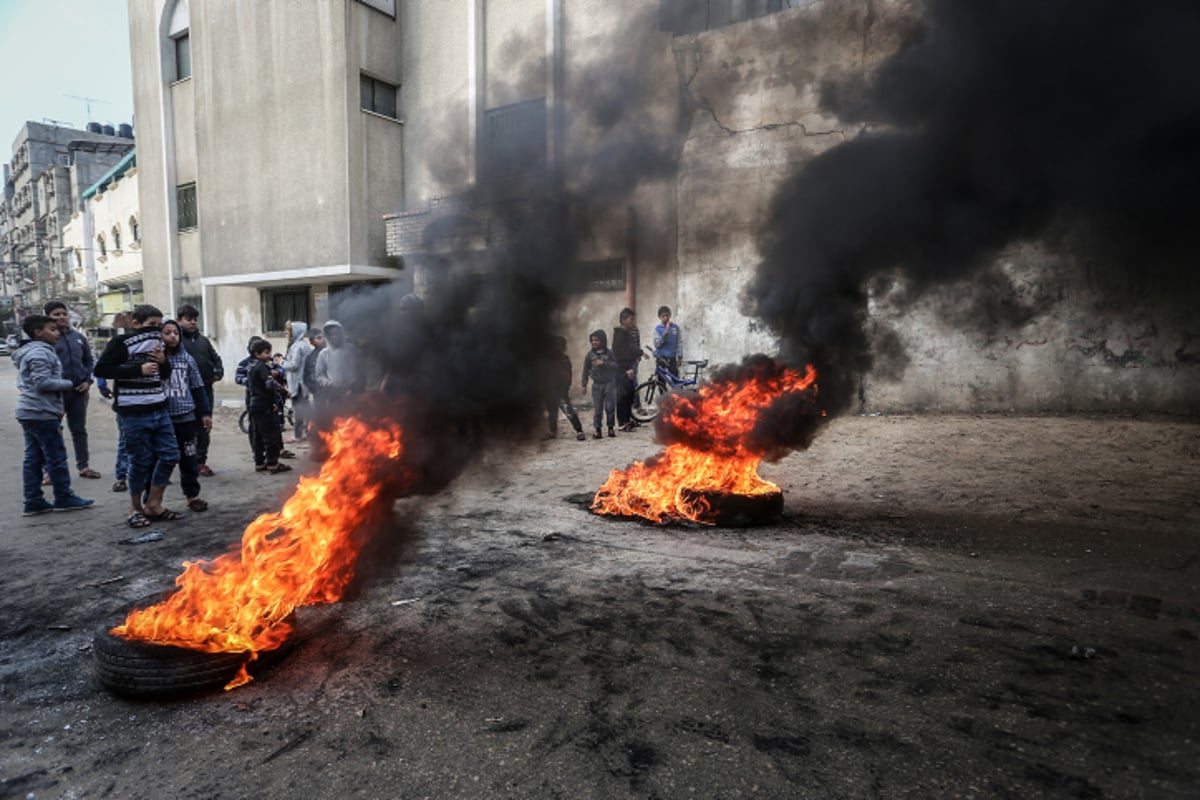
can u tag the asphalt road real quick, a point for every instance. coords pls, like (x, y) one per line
(930, 619)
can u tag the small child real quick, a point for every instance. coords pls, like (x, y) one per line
(263, 388)
(188, 405)
(40, 410)
(600, 363)
(556, 383)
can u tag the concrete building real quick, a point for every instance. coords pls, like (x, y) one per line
(270, 147)
(48, 165)
(735, 85)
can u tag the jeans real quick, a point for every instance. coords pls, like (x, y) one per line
(151, 447)
(189, 473)
(121, 468)
(604, 398)
(77, 406)
(45, 449)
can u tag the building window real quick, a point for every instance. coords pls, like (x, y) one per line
(100, 245)
(135, 230)
(281, 305)
(183, 57)
(179, 41)
(691, 16)
(515, 140)
(600, 276)
(116, 232)
(377, 96)
(185, 201)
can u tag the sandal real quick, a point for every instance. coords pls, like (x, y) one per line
(279, 468)
(196, 504)
(137, 520)
(88, 472)
(260, 467)
(121, 486)
(286, 454)
(166, 515)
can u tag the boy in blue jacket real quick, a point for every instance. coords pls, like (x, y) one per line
(40, 411)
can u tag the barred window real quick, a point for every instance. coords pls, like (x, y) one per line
(377, 96)
(598, 276)
(281, 305)
(185, 200)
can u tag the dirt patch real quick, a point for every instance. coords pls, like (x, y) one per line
(967, 606)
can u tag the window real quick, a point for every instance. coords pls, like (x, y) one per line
(183, 57)
(135, 230)
(185, 201)
(281, 305)
(599, 276)
(515, 140)
(100, 245)
(377, 96)
(116, 233)
(692, 16)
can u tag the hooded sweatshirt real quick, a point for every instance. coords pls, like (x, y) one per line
(121, 362)
(604, 372)
(207, 359)
(40, 383)
(297, 354)
(339, 367)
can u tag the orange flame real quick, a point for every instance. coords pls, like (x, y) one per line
(301, 555)
(720, 423)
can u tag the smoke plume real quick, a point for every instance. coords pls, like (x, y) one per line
(1076, 125)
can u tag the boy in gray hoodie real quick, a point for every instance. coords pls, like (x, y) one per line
(601, 365)
(39, 409)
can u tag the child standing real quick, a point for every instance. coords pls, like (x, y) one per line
(557, 387)
(262, 387)
(187, 403)
(40, 409)
(600, 363)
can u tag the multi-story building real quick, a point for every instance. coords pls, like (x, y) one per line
(48, 164)
(270, 147)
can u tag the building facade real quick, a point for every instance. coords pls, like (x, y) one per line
(270, 147)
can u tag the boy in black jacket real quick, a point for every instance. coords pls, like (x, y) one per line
(262, 388)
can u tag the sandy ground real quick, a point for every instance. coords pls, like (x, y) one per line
(952, 606)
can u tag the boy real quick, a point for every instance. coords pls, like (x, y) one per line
(211, 371)
(667, 344)
(76, 356)
(557, 388)
(40, 410)
(601, 364)
(627, 347)
(137, 365)
(263, 389)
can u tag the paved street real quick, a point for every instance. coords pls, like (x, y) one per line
(952, 606)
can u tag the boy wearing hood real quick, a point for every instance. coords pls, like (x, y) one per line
(40, 409)
(600, 363)
(76, 356)
(339, 365)
(293, 367)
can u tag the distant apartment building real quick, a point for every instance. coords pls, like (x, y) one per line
(270, 145)
(50, 167)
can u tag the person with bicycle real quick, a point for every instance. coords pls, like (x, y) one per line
(668, 344)
(627, 347)
(601, 365)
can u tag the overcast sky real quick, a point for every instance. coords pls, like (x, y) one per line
(52, 49)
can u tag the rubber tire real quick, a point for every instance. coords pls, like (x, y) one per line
(739, 510)
(155, 671)
(650, 394)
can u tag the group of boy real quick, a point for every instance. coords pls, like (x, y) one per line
(612, 372)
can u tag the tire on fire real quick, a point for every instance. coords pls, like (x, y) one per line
(155, 671)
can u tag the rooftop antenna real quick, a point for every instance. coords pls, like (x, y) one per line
(87, 101)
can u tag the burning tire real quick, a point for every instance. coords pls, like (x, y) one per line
(729, 510)
(155, 671)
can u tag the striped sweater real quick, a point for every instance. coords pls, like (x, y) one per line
(122, 363)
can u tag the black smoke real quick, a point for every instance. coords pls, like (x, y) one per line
(1072, 125)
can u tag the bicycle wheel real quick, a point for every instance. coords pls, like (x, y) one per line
(244, 421)
(650, 394)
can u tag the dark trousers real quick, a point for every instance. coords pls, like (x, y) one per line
(266, 436)
(202, 436)
(625, 391)
(604, 398)
(44, 450)
(77, 405)
(186, 436)
(562, 402)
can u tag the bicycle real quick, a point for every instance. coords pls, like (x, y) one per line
(648, 395)
(244, 419)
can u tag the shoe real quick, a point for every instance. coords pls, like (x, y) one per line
(73, 503)
(286, 454)
(88, 472)
(120, 486)
(204, 471)
(33, 509)
(612, 434)
(581, 436)
(597, 435)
